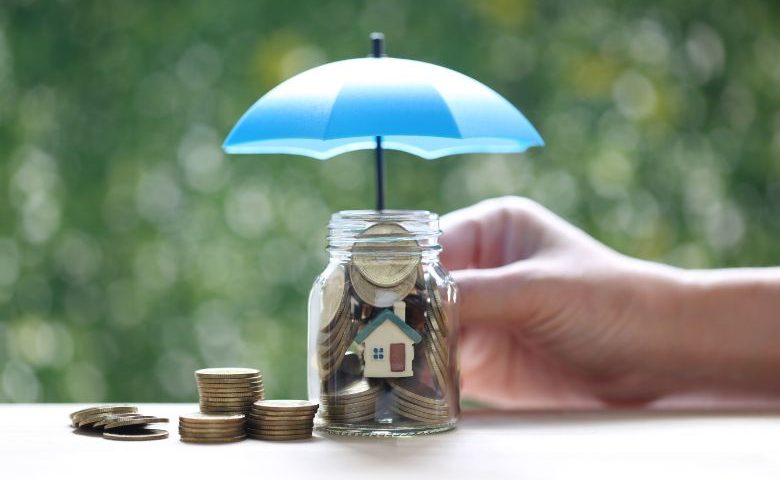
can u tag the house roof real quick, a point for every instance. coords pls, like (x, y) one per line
(380, 319)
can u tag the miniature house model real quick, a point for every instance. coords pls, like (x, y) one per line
(388, 345)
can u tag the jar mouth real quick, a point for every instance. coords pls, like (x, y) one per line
(348, 226)
(385, 215)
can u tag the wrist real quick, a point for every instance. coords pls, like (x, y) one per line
(723, 331)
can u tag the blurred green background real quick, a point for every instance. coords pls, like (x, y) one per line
(132, 251)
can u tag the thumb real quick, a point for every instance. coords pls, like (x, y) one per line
(503, 296)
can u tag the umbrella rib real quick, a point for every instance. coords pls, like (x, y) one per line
(324, 135)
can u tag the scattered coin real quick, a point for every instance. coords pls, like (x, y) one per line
(130, 421)
(118, 422)
(142, 434)
(88, 414)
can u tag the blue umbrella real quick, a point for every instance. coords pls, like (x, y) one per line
(381, 103)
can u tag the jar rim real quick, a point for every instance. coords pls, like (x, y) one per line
(385, 215)
(347, 226)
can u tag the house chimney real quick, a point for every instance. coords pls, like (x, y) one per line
(399, 308)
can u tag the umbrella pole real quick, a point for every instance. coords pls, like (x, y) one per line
(378, 50)
(380, 176)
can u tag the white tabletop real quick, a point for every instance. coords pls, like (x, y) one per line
(37, 442)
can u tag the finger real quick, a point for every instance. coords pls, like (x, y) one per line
(499, 369)
(499, 296)
(474, 237)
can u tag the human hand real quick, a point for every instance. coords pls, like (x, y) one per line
(550, 317)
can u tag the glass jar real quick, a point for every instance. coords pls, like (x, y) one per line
(383, 328)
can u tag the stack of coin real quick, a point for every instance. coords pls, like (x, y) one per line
(281, 420)
(207, 428)
(119, 422)
(415, 401)
(228, 390)
(352, 403)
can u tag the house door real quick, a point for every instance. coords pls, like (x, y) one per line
(397, 357)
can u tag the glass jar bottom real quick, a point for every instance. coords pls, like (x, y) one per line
(385, 430)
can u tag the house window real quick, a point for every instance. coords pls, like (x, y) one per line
(379, 353)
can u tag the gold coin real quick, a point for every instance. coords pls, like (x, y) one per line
(277, 417)
(230, 391)
(379, 296)
(111, 417)
(279, 433)
(251, 382)
(304, 436)
(190, 439)
(439, 376)
(228, 401)
(354, 402)
(349, 413)
(285, 405)
(225, 432)
(223, 408)
(286, 424)
(96, 418)
(231, 385)
(227, 372)
(411, 389)
(347, 418)
(140, 435)
(330, 359)
(357, 404)
(420, 418)
(435, 355)
(200, 417)
(82, 415)
(432, 320)
(211, 433)
(229, 394)
(141, 420)
(333, 295)
(440, 315)
(281, 413)
(429, 410)
(382, 258)
(350, 409)
(358, 389)
(104, 409)
(281, 420)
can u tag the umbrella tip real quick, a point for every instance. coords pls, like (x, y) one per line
(377, 44)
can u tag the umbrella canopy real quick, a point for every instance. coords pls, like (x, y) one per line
(381, 103)
(416, 107)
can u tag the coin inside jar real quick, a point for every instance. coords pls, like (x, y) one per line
(333, 296)
(382, 258)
